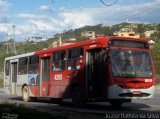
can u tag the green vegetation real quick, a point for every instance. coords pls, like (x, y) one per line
(82, 38)
(155, 49)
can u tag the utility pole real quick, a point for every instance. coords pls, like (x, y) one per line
(7, 43)
(14, 42)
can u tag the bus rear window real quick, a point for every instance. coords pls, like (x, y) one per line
(127, 43)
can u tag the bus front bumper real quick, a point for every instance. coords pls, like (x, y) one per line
(115, 92)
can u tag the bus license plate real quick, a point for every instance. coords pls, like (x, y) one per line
(136, 92)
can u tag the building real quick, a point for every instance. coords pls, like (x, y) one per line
(127, 34)
(100, 35)
(148, 33)
(90, 34)
(55, 43)
(60, 42)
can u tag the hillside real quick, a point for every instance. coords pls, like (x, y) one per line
(109, 30)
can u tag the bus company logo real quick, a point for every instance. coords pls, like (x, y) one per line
(58, 77)
(148, 80)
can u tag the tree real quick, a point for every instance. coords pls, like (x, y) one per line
(155, 36)
(142, 35)
(140, 28)
(108, 31)
(158, 27)
(82, 38)
(156, 56)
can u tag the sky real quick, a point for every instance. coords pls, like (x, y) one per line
(45, 18)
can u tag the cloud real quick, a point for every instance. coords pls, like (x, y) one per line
(146, 12)
(31, 25)
(76, 19)
(4, 6)
(31, 16)
(4, 18)
(3, 28)
(46, 8)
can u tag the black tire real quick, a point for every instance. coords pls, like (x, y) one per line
(25, 94)
(116, 104)
(78, 97)
(56, 100)
(33, 98)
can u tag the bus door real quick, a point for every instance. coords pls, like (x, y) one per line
(7, 81)
(95, 74)
(45, 76)
(13, 77)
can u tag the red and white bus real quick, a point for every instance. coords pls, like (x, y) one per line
(113, 69)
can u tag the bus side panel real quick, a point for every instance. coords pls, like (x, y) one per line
(7, 86)
(34, 80)
(58, 84)
(21, 80)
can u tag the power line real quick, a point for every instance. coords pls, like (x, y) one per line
(157, 3)
(108, 4)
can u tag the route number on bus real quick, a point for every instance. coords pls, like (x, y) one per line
(58, 77)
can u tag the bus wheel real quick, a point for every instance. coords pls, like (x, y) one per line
(116, 104)
(78, 97)
(33, 98)
(25, 94)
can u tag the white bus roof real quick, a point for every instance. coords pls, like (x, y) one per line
(19, 56)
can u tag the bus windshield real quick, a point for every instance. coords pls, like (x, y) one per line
(130, 63)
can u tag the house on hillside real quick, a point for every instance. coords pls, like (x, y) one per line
(148, 33)
(59, 42)
(100, 35)
(127, 34)
(90, 34)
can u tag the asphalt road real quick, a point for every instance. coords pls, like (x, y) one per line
(137, 108)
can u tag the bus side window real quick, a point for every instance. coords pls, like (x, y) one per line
(80, 53)
(22, 67)
(74, 55)
(7, 66)
(33, 64)
(63, 60)
(59, 61)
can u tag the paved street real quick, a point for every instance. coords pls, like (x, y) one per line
(100, 109)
